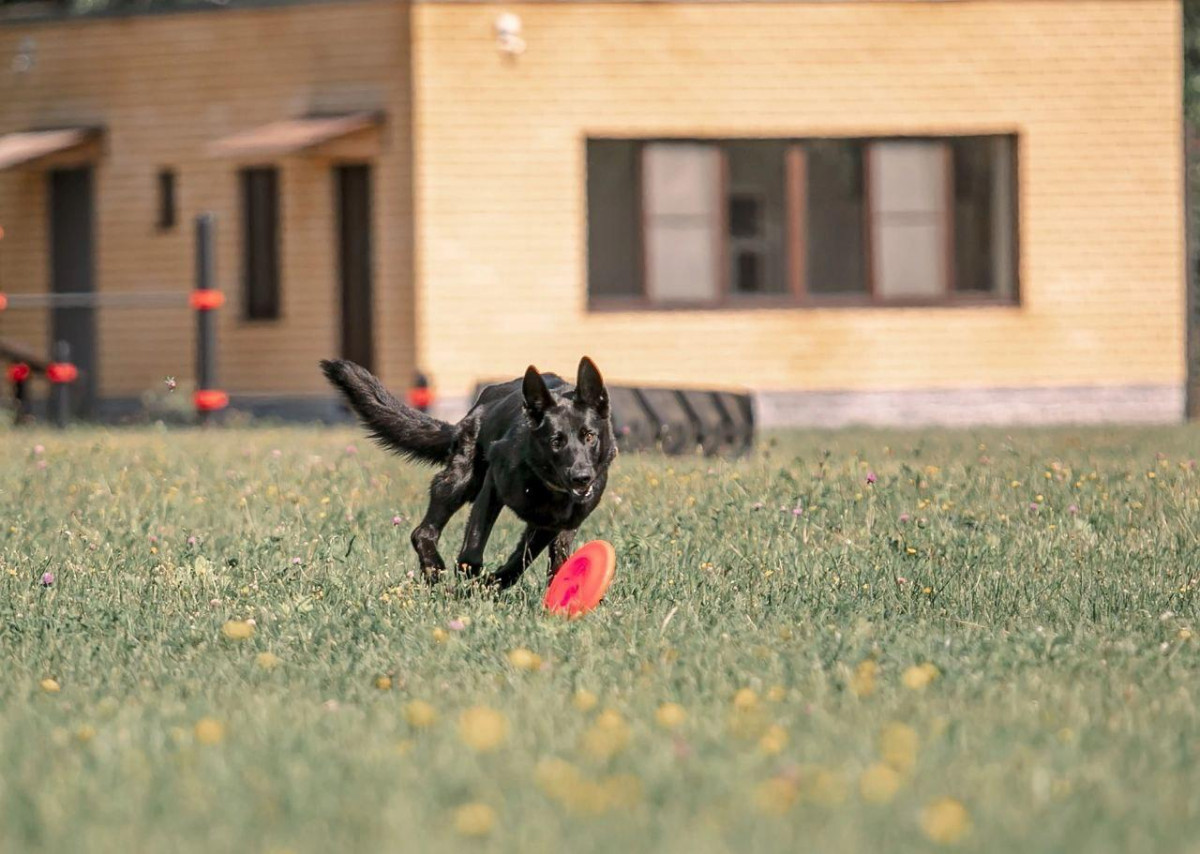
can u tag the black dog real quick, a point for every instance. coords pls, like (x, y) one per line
(539, 446)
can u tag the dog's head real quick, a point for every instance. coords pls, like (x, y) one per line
(571, 437)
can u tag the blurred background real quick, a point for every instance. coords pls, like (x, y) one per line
(933, 211)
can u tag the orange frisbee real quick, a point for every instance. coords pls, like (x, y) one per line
(582, 580)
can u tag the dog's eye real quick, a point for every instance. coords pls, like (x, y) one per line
(559, 441)
(589, 438)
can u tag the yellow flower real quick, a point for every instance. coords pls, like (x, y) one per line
(670, 715)
(383, 683)
(85, 733)
(776, 694)
(209, 731)
(898, 745)
(919, 676)
(267, 660)
(745, 699)
(825, 787)
(584, 700)
(50, 686)
(523, 659)
(878, 784)
(1185, 634)
(774, 740)
(237, 630)
(775, 796)
(474, 819)
(862, 683)
(945, 821)
(420, 714)
(607, 736)
(556, 777)
(482, 728)
(440, 635)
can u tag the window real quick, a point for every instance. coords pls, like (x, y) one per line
(166, 199)
(812, 222)
(260, 243)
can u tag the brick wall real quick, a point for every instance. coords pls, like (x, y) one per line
(1091, 86)
(164, 87)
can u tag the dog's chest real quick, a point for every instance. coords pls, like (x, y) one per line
(542, 508)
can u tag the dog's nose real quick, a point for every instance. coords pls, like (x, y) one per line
(579, 481)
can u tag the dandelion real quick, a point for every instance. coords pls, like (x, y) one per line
(775, 796)
(670, 715)
(209, 731)
(524, 659)
(238, 630)
(47, 579)
(474, 819)
(85, 733)
(862, 682)
(918, 677)
(879, 784)
(420, 715)
(774, 740)
(1185, 634)
(440, 635)
(607, 736)
(745, 699)
(482, 728)
(267, 660)
(50, 686)
(584, 700)
(945, 821)
(898, 745)
(383, 683)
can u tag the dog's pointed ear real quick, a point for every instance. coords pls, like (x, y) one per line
(590, 392)
(537, 396)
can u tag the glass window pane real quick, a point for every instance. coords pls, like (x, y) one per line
(681, 187)
(984, 215)
(613, 220)
(834, 220)
(909, 249)
(757, 216)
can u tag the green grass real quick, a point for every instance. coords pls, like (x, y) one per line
(1046, 575)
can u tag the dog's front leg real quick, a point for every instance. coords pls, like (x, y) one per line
(479, 528)
(533, 543)
(560, 550)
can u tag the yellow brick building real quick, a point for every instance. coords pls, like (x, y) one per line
(913, 210)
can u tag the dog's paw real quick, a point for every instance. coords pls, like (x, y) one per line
(470, 570)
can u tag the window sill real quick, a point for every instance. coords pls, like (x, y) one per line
(789, 303)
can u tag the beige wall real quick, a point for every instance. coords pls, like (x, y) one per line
(164, 87)
(1091, 86)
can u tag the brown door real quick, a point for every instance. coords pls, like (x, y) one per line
(354, 262)
(72, 271)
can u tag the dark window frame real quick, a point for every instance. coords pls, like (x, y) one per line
(167, 184)
(796, 294)
(262, 291)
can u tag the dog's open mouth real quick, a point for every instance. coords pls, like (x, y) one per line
(583, 491)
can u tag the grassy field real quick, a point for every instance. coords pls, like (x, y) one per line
(853, 641)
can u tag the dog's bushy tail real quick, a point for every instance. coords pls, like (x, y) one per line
(401, 428)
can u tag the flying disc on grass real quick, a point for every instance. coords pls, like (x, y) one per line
(582, 580)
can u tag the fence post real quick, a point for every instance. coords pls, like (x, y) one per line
(60, 386)
(206, 298)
